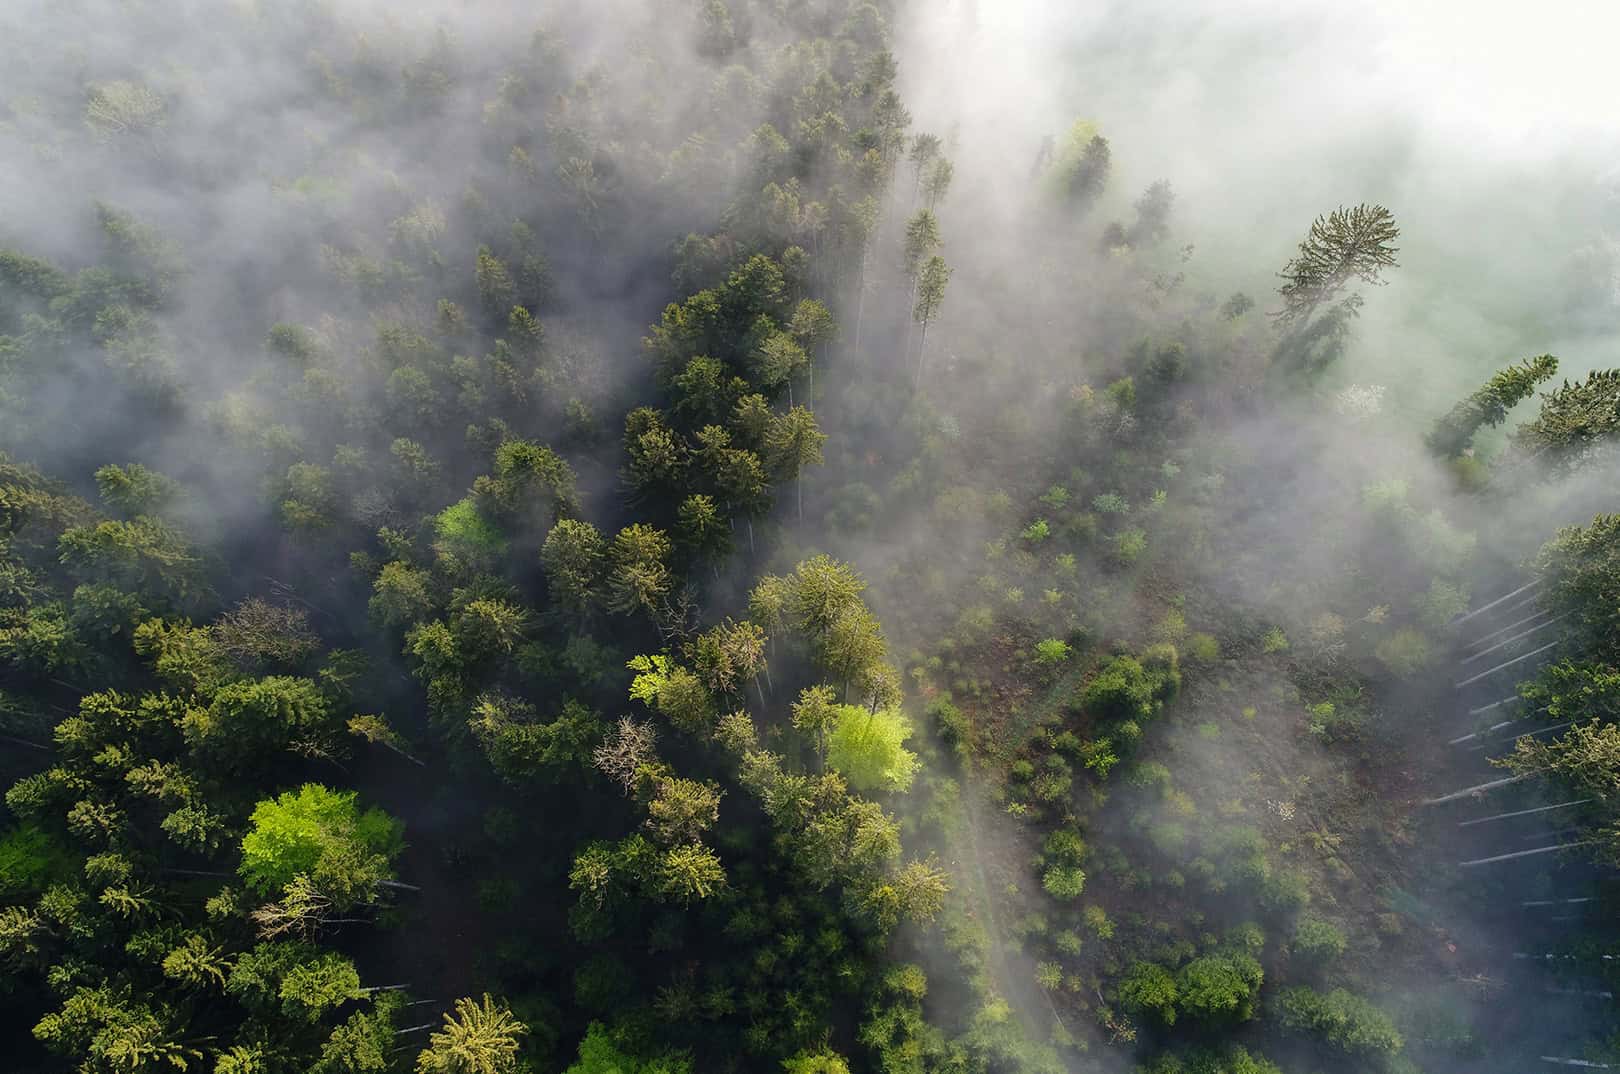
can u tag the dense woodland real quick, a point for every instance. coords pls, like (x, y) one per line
(560, 546)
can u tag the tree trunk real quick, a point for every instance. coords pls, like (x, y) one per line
(1478, 788)
(860, 295)
(750, 536)
(414, 760)
(397, 886)
(1508, 664)
(1499, 600)
(922, 351)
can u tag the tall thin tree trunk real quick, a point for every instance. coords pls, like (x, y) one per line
(860, 295)
(799, 483)
(922, 352)
(750, 536)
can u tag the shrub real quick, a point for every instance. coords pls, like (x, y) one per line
(1204, 648)
(1065, 847)
(1318, 940)
(1096, 919)
(1064, 881)
(1051, 652)
(1341, 1018)
(1219, 987)
(1405, 652)
(1149, 988)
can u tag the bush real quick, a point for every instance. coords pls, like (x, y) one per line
(1204, 648)
(1065, 847)
(1318, 940)
(1064, 881)
(1284, 891)
(1405, 652)
(949, 721)
(1051, 652)
(1341, 1018)
(1149, 988)
(1130, 689)
(1219, 987)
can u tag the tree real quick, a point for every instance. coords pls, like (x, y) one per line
(496, 291)
(574, 558)
(821, 1062)
(247, 719)
(123, 109)
(922, 239)
(867, 748)
(819, 590)
(924, 151)
(938, 181)
(683, 809)
(1345, 245)
(931, 285)
(815, 713)
(793, 443)
(690, 871)
(322, 834)
(700, 528)
(135, 490)
(400, 595)
(603, 1052)
(480, 1038)
(1454, 432)
(1582, 567)
(1088, 175)
(1152, 214)
(626, 752)
(638, 578)
(298, 980)
(1575, 422)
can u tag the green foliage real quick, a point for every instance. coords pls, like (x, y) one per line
(1577, 421)
(1065, 882)
(1317, 940)
(1582, 568)
(480, 1037)
(1454, 432)
(1131, 689)
(1051, 652)
(1405, 653)
(1342, 1019)
(603, 1052)
(321, 834)
(868, 748)
(30, 861)
(1219, 987)
(1149, 988)
(464, 536)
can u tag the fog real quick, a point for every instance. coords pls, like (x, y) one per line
(339, 166)
(1486, 130)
